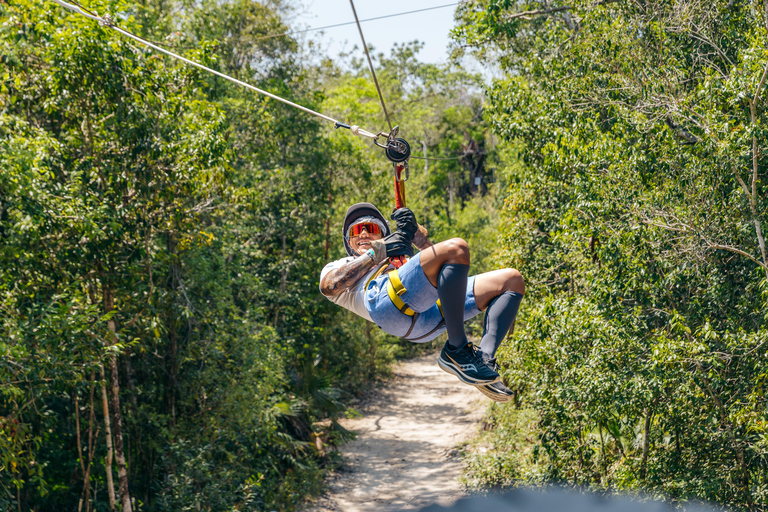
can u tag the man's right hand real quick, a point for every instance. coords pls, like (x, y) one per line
(421, 238)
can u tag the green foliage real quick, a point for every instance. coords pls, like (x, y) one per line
(162, 235)
(122, 207)
(636, 212)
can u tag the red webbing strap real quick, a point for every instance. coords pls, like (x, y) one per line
(399, 187)
(399, 261)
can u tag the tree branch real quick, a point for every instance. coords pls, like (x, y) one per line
(681, 132)
(760, 86)
(703, 39)
(737, 251)
(539, 12)
(526, 14)
(765, 18)
(738, 448)
(755, 154)
(684, 229)
(741, 182)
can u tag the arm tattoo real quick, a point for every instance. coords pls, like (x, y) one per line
(343, 278)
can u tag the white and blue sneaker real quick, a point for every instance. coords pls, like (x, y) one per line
(497, 391)
(467, 364)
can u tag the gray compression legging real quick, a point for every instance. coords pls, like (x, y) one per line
(451, 288)
(499, 318)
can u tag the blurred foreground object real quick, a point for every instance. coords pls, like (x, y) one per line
(560, 500)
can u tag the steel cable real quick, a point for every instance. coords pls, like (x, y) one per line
(108, 22)
(370, 64)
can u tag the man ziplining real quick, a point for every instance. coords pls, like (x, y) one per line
(404, 302)
(430, 294)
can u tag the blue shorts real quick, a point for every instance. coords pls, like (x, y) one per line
(421, 297)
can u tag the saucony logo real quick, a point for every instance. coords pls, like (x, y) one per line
(464, 367)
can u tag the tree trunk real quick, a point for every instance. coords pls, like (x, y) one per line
(79, 444)
(283, 277)
(284, 270)
(755, 155)
(172, 349)
(86, 494)
(122, 472)
(738, 445)
(108, 435)
(77, 429)
(91, 447)
(646, 443)
(328, 226)
(602, 453)
(134, 404)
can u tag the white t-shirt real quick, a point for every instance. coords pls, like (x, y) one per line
(353, 298)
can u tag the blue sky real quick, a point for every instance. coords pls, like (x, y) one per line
(430, 27)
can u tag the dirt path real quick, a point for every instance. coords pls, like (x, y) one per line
(405, 455)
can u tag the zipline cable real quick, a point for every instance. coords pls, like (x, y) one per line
(370, 64)
(106, 21)
(437, 157)
(396, 149)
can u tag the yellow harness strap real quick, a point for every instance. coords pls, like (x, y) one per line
(377, 273)
(395, 289)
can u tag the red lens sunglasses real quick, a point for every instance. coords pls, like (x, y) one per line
(370, 227)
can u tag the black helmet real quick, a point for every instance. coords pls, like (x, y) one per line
(356, 211)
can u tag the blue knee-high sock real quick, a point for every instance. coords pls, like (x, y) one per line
(499, 318)
(452, 288)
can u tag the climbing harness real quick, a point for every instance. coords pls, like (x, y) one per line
(395, 289)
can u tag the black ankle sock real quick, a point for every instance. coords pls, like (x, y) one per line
(452, 288)
(499, 317)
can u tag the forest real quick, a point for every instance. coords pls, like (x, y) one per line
(163, 342)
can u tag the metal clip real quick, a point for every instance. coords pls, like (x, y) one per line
(405, 172)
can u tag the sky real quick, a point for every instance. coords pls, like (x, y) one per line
(430, 27)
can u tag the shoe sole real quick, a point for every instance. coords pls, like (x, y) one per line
(496, 397)
(466, 379)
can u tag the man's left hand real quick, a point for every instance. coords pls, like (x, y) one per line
(406, 221)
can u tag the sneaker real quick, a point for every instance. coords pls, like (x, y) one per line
(467, 364)
(497, 392)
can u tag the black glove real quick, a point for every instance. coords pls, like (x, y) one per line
(398, 244)
(406, 221)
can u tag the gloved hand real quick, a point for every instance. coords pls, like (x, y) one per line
(396, 244)
(406, 221)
